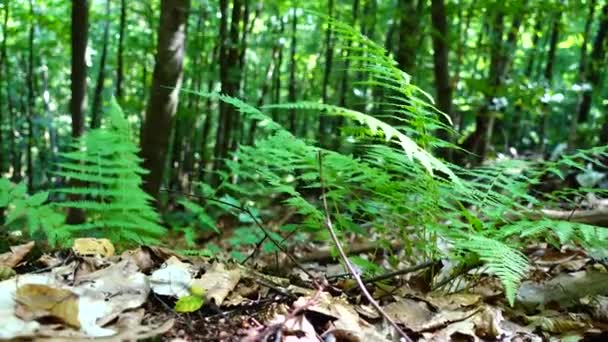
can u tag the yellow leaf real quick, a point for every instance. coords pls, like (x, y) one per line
(41, 300)
(197, 291)
(94, 247)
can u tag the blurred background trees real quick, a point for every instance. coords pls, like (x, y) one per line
(516, 77)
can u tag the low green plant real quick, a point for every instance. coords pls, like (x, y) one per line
(398, 190)
(30, 216)
(105, 165)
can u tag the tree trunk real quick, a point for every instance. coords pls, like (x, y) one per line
(548, 74)
(344, 90)
(30, 101)
(594, 66)
(80, 26)
(230, 82)
(440, 60)
(270, 70)
(582, 68)
(120, 54)
(163, 99)
(277, 78)
(409, 32)
(324, 121)
(500, 51)
(292, 71)
(3, 57)
(101, 76)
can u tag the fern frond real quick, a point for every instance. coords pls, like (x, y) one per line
(507, 263)
(412, 150)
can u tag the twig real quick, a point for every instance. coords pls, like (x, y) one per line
(349, 266)
(399, 272)
(257, 223)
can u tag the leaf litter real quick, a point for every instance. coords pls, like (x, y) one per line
(91, 292)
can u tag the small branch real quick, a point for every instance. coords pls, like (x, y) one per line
(402, 271)
(349, 266)
(257, 223)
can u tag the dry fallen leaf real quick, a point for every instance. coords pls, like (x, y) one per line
(93, 247)
(37, 301)
(346, 319)
(218, 282)
(174, 278)
(411, 313)
(16, 254)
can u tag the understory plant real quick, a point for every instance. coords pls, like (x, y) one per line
(104, 173)
(391, 187)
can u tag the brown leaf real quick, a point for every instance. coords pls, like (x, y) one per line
(17, 253)
(411, 313)
(218, 282)
(41, 300)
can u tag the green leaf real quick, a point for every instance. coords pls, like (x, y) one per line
(189, 303)
(39, 198)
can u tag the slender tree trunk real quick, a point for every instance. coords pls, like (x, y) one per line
(409, 29)
(344, 90)
(3, 66)
(242, 52)
(270, 70)
(230, 81)
(594, 65)
(582, 69)
(30, 101)
(548, 74)
(80, 25)
(500, 51)
(324, 121)
(292, 71)
(120, 54)
(101, 76)
(163, 100)
(440, 59)
(277, 78)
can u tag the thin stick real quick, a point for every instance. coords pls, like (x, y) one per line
(349, 266)
(257, 223)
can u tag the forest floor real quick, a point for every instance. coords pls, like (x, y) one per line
(89, 291)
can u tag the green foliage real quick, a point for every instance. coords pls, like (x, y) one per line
(483, 212)
(105, 168)
(30, 215)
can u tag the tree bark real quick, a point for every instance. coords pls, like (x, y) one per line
(409, 32)
(292, 71)
(479, 141)
(440, 59)
(230, 74)
(594, 66)
(3, 57)
(163, 100)
(344, 87)
(548, 74)
(80, 26)
(582, 68)
(120, 54)
(30, 101)
(101, 76)
(324, 121)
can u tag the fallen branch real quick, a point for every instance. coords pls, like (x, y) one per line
(349, 266)
(598, 217)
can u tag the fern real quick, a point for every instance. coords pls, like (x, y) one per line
(507, 263)
(105, 161)
(411, 196)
